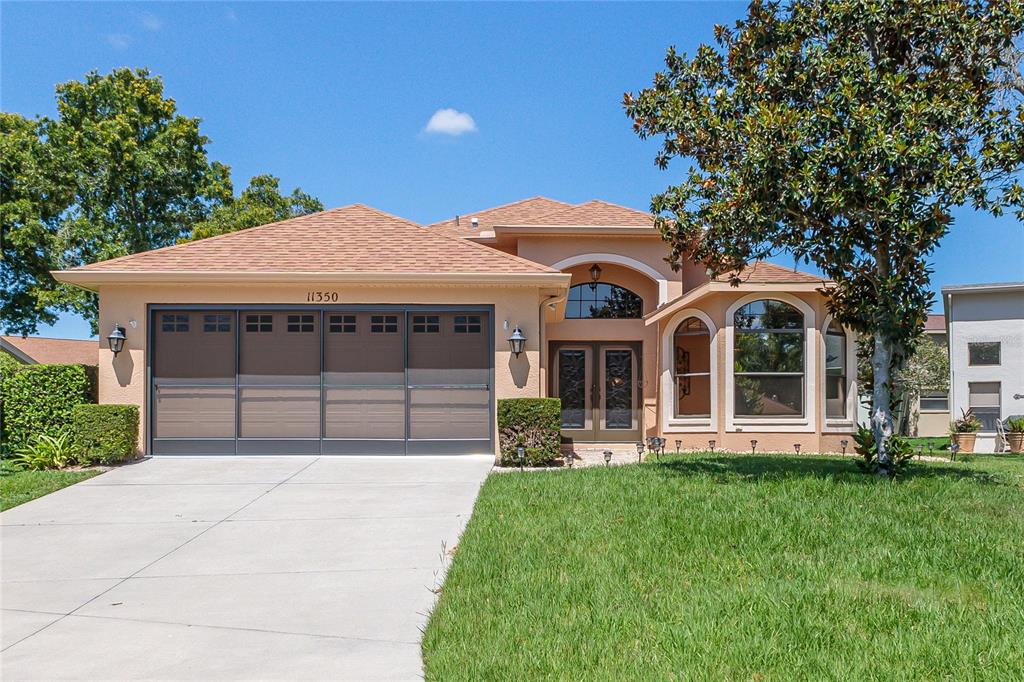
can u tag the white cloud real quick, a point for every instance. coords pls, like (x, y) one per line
(151, 22)
(119, 41)
(450, 122)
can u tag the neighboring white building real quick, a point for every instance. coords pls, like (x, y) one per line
(985, 325)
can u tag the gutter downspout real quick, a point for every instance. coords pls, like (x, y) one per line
(550, 302)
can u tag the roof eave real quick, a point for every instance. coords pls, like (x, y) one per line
(93, 279)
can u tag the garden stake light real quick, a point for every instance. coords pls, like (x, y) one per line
(796, 446)
(607, 457)
(639, 452)
(953, 449)
(843, 443)
(711, 444)
(679, 446)
(520, 455)
(753, 446)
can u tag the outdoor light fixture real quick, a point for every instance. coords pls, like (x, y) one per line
(116, 340)
(796, 446)
(595, 274)
(953, 449)
(520, 455)
(920, 451)
(639, 451)
(569, 458)
(711, 444)
(753, 446)
(607, 457)
(843, 443)
(517, 341)
(661, 444)
(679, 446)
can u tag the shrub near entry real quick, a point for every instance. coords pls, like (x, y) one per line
(535, 423)
(105, 434)
(38, 399)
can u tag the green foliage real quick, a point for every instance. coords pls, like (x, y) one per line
(844, 132)
(118, 171)
(46, 452)
(900, 452)
(260, 203)
(967, 423)
(105, 434)
(1015, 424)
(535, 423)
(8, 365)
(18, 486)
(39, 399)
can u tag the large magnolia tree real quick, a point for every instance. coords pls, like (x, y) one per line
(844, 132)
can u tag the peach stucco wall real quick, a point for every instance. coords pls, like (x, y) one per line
(123, 379)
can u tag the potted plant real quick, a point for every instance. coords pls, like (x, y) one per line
(964, 431)
(1015, 434)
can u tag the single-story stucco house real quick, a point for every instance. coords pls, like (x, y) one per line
(352, 331)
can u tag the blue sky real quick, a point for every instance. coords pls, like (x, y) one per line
(336, 98)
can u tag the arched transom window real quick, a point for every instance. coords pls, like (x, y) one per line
(602, 301)
(692, 368)
(768, 360)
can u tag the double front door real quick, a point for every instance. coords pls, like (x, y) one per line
(600, 388)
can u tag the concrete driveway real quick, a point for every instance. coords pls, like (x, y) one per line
(232, 568)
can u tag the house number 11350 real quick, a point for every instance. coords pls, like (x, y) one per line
(321, 296)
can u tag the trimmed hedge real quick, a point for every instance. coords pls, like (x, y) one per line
(105, 434)
(38, 400)
(533, 422)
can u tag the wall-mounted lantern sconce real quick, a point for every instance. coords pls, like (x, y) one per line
(517, 341)
(595, 275)
(116, 340)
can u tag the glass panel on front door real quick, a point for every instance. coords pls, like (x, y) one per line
(618, 389)
(572, 387)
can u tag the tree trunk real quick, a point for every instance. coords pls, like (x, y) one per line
(881, 398)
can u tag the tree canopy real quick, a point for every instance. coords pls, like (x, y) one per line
(118, 170)
(260, 203)
(844, 132)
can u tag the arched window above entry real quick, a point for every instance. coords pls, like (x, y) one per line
(692, 368)
(768, 360)
(602, 301)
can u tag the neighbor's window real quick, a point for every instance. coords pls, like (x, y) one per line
(835, 371)
(768, 360)
(692, 368)
(174, 322)
(605, 301)
(934, 401)
(983, 353)
(983, 400)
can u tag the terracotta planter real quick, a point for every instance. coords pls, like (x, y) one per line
(1016, 441)
(965, 441)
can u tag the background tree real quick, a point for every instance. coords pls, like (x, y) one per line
(843, 131)
(927, 369)
(117, 171)
(260, 203)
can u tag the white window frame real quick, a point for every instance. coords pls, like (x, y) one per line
(807, 423)
(671, 423)
(840, 424)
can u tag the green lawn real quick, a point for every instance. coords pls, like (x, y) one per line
(737, 567)
(18, 487)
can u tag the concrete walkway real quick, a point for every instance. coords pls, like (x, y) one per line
(232, 568)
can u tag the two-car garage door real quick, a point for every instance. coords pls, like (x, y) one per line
(321, 380)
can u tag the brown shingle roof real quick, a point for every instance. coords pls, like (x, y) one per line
(760, 272)
(516, 213)
(935, 323)
(351, 239)
(594, 213)
(55, 351)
